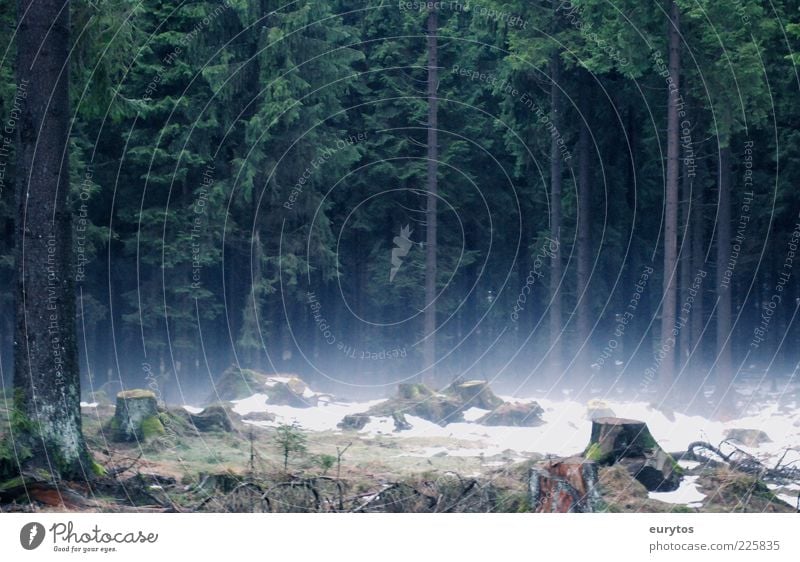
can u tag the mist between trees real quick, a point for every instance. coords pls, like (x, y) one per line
(611, 188)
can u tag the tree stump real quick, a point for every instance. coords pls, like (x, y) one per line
(213, 418)
(136, 416)
(616, 438)
(656, 471)
(474, 394)
(630, 443)
(566, 486)
(355, 422)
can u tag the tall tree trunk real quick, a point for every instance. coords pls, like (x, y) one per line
(46, 369)
(698, 263)
(667, 347)
(685, 261)
(724, 367)
(555, 218)
(584, 232)
(429, 349)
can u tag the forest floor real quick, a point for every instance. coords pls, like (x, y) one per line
(462, 466)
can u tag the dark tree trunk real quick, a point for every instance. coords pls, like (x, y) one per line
(584, 323)
(556, 109)
(429, 349)
(46, 370)
(667, 348)
(685, 260)
(698, 263)
(724, 365)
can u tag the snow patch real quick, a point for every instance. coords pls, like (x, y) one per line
(255, 403)
(89, 404)
(474, 414)
(565, 432)
(192, 409)
(686, 494)
(323, 417)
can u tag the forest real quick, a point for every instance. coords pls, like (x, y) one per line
(281, 229)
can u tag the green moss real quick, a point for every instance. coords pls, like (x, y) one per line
(98, 469)
(112, 428)
(647, 440)
(21, 424)
(176, 422)
(593, 453)
(237, 383)
(152, 427)
(16, 482)
(136, 393)
(413, 391)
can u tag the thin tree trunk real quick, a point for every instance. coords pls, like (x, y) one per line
(46, 369)
(698, 263)
(667, 347)
(555, 219)
(429, 349)
(584, 233)
(685, 259)
(724, 365)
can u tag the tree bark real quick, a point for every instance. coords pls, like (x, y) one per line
(698, 263)
(567, 485)
(555, 218)
(429, 348)
(668, 310)
(46, 369)
(724, 364)
(685, 261)
(584, 233)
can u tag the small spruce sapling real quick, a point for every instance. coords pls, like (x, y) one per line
(291, 440)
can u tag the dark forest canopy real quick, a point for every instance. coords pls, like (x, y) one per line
(249, 185)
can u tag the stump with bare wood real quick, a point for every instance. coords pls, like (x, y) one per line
(565, 486)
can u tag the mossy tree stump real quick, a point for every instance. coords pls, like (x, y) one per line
(474, 393)
(616, 438)
(630, 443)
(136, 417)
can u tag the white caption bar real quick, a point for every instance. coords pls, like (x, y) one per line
(402, 537)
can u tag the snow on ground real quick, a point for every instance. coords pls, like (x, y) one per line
(272, 381)
(686, 494)
(792, 497)
(565, 432)
(255, 403)
(474, 414)
(192, 409)
(89, 404)
(323, 417)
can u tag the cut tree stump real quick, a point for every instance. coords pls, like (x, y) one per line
(565, 486)
(474, 394)
(630, 443)
(616, 438)
(136, 416)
